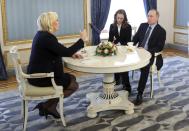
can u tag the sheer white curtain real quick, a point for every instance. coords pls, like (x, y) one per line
(135, 13)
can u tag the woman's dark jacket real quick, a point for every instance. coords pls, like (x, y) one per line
(46, 56)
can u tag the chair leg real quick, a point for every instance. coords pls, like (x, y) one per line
(25, 105)
(151, 85)
(61, 106)
(158, 74)
(133, 72)
(22, 109)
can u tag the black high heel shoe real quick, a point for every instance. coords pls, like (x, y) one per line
(40, 108)
(55, 113)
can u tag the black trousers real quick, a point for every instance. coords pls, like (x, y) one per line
(123, 77)
(143, 78)
(117, 78)
(142, 81)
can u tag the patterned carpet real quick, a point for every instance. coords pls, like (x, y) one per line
(168, 111)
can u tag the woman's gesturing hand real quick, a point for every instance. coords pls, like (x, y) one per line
(83, 35)
(77, 56)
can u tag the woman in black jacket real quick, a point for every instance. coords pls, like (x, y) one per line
(46, 56)
(120, 33)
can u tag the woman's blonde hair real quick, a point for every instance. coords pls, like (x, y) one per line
(44, 21)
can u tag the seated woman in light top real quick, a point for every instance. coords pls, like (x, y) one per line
(46, 56)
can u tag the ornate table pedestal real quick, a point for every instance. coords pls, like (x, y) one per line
(109, 99)
(122, 62)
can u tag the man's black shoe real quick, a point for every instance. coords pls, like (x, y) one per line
(138, 100)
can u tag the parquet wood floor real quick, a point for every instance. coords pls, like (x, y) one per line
(11, 83)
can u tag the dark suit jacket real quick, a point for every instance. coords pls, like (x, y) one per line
(156, 41)
(46, 56)
(123, 38)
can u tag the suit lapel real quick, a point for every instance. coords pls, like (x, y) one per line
(145, 29)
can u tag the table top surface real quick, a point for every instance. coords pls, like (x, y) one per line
(125, 60)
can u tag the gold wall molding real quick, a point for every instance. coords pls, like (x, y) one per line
(180, 38)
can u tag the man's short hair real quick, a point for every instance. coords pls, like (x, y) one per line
(157, 12)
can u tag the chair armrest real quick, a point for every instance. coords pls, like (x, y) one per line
(155, 56)
(155, 59)
(57, 87)
(44, 75)
(38, 75)
(157, 53)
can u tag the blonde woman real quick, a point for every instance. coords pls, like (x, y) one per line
(46, 56)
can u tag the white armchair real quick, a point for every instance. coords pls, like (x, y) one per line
(30, 92)
(153, 69)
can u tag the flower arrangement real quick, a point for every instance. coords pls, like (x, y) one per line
(106, 49)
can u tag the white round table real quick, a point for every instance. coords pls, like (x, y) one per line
(125, 60)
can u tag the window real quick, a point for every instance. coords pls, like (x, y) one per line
(135, 14)
(19, 18)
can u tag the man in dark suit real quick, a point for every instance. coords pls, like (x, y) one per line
(150, 36)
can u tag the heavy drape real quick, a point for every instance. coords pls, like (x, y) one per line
(99, 15)
(3, 72)
(150, 4)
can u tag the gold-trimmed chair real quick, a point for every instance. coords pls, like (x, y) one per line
(30, 92)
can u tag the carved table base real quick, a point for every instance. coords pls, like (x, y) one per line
(109, 99)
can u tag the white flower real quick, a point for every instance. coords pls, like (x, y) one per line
(110, 44)
(105, 43)
(106, 51)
